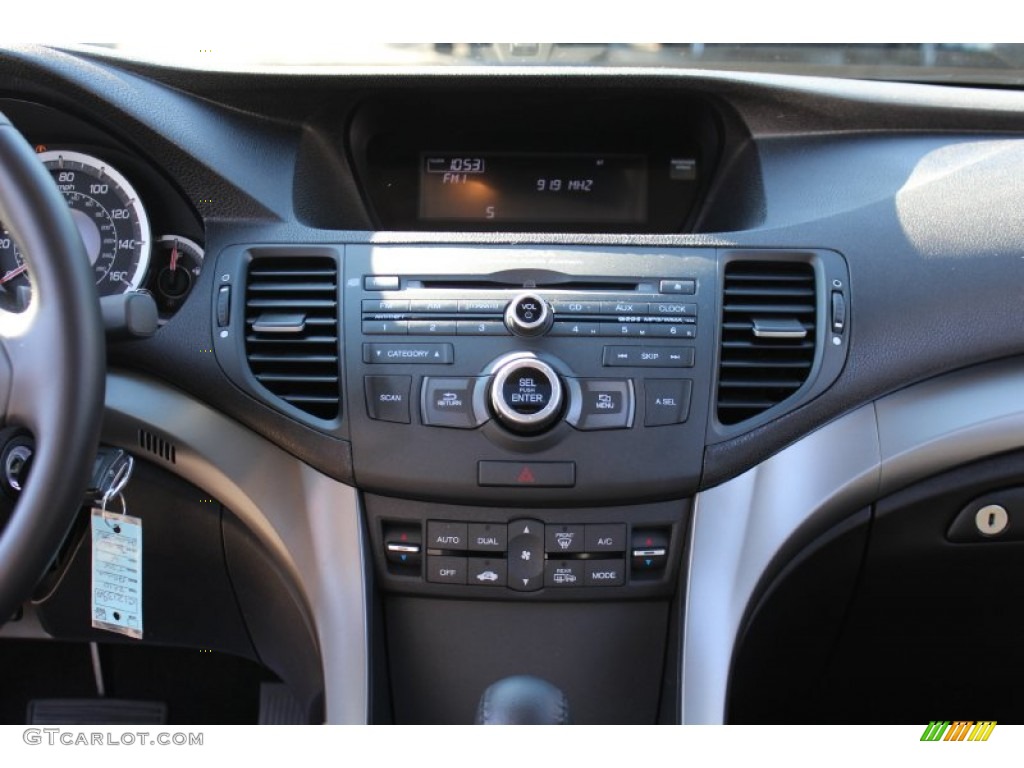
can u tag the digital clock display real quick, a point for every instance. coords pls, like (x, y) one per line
(533, 188)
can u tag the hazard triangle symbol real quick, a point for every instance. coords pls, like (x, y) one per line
(526, 476)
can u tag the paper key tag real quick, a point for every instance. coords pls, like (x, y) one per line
(117, 573)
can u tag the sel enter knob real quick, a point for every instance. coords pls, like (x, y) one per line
(526, 394)
(528, 315)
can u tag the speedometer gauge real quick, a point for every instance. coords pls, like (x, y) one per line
(109, 216)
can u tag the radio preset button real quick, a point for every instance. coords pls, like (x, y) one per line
(480, 328)
(570, 328)
(431, 327)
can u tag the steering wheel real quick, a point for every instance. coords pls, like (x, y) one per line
(52, 368)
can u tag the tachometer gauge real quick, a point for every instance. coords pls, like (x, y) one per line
(15, 290)
(110, 218)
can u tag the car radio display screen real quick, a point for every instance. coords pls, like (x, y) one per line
(526, 188)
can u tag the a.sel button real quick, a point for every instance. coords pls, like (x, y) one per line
(387, 398)
(605, 573)
(667, 401)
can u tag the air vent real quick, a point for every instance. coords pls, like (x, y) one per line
(768, 336)
(291, 330)
(157, 446)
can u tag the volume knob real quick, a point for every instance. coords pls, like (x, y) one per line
(528, 315)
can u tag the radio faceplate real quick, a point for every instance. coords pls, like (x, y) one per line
(459, 392)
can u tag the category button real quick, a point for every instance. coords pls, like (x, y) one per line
(387, 398)
(417, 354)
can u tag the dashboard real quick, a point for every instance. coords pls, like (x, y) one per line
(644, 384)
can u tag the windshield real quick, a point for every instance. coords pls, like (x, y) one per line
(963, 63)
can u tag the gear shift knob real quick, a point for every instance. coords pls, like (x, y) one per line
(523, 700)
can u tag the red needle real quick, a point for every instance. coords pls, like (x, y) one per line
(13, 274)
(174, 256)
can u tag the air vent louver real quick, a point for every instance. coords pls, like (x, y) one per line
(768, 336)
(291, 330)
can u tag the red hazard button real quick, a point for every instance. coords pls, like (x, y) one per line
(535, 474)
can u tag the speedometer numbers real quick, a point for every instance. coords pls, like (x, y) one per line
(110, 219)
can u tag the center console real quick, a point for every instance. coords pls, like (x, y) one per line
(523, 402)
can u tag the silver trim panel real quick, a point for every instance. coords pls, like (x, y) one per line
(740, 527)
(310, 522)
